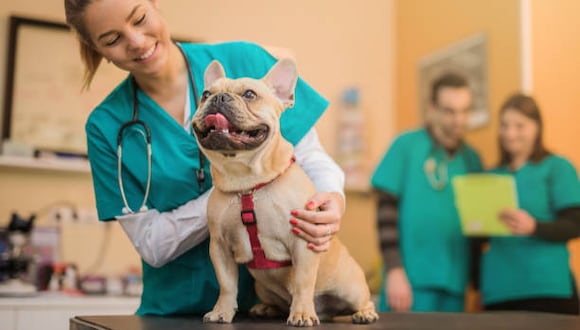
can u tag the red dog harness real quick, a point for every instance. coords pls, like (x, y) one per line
(249, 220)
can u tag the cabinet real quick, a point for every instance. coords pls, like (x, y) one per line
(53, 311)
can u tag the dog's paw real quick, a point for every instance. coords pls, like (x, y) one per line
(219, 316)
(265, 311)
(302, 319)
(365, 316)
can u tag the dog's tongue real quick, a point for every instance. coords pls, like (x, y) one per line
(217, 120)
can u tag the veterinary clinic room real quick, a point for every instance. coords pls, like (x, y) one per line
(376, 164)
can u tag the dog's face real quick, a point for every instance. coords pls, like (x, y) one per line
(237, 115)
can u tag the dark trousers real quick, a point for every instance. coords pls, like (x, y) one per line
(547, 305)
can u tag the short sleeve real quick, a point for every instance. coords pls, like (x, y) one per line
(103, 161)
(564, 185)
(390, 173)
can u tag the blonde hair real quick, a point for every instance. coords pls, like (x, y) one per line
(74, 10)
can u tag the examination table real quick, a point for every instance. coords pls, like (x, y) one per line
(398, 321)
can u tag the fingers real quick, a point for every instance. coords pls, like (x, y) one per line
(400, 301)
(515, 226)
(399, 292)
(317, 236)
(316, 217)
(319, 221)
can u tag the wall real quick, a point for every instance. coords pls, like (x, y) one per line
(556, 73)
(428, 26)
(337, 44)
(555, 47)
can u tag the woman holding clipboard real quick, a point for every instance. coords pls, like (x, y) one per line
(530, 270)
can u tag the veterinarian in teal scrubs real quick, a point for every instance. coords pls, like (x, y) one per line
(530, 270)
(171, 234)
(425, 254)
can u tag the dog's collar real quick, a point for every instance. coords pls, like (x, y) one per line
(249, 220)
(263, 184)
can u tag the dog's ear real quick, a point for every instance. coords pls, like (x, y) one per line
(213, 72)
(282, 79)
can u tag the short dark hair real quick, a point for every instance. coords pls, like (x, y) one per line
(448, 79)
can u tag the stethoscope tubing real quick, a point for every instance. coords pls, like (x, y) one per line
(200, 174)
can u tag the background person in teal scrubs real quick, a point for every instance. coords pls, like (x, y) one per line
(172, 236)
(530, 271)
(424, 252)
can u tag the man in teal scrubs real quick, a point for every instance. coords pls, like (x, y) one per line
(426, 257)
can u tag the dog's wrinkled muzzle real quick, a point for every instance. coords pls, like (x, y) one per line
(217, 131)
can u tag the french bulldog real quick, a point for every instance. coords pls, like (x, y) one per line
(237, 126)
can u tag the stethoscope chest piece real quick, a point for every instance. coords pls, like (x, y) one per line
(436, 172)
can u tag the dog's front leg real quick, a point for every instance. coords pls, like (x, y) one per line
(226, 271)
(305, 267)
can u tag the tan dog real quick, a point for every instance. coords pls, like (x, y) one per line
(238, 128)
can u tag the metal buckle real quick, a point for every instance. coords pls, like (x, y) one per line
(248, 217)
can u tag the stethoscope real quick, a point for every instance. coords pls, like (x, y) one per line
(436, 172)
(135, 121)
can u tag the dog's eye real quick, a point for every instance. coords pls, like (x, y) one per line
(249, 94)
(205, 95)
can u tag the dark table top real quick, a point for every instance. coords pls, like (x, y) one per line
(399, 321)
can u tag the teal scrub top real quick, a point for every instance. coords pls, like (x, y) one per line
(187, 284)
(528, 267)
(435, 254)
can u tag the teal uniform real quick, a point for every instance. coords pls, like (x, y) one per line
(187, 284)
(435, 254)
(517, 268)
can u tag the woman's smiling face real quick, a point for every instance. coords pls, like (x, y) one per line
(518, 133)
(129, 33)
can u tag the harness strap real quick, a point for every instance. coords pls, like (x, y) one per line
(249, 220)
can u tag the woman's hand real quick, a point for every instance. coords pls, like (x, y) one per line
(398, 290)
(319, 220)
(519, 221)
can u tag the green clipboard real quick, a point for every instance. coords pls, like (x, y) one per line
(479, 198)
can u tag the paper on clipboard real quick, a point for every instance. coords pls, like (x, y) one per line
(479, 198)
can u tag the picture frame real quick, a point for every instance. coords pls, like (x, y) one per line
(468, 58)
(44, 107)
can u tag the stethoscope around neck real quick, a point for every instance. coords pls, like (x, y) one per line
(436, 171)
(135, 121)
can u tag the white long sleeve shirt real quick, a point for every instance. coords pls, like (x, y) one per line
(160, 237)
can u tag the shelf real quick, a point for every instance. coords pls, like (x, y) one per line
(46, 300)
(51, 164)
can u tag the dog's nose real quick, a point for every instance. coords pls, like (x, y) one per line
(222, 98)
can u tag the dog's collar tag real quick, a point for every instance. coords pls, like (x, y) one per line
(249, 220)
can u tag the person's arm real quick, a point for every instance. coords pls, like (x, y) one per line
(397, 288)
(564, 228)
(326, 175)
(160, 237)
(388, 229)
(324, 210)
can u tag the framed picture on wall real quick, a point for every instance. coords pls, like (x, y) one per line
(467, 57)
(44, 107)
